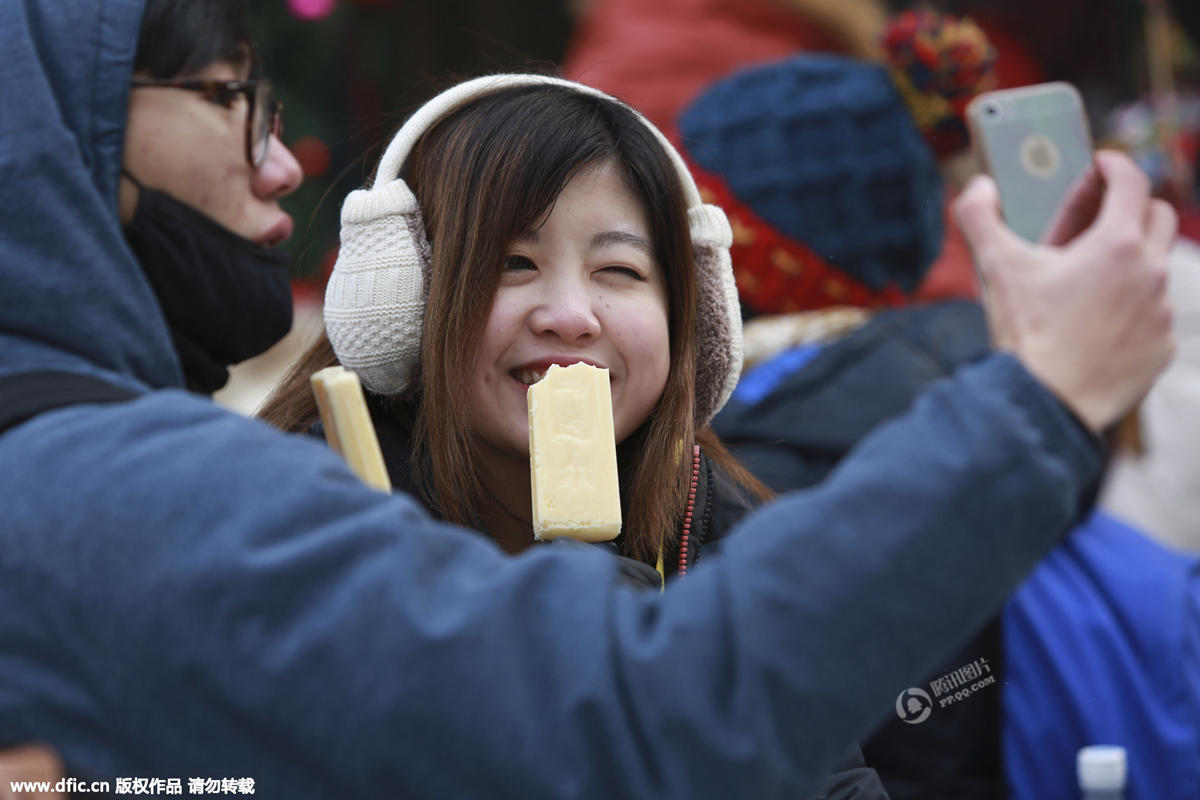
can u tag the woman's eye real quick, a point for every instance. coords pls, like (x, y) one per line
(513, 263)
(628, 271)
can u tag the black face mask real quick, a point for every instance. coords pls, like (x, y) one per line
(225, 298)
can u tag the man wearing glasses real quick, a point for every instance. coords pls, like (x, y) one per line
(264, 119)
(202, 146)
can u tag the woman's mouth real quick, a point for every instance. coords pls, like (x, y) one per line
(531, 372)
(528, 376)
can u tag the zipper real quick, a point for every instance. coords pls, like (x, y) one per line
(685, 534)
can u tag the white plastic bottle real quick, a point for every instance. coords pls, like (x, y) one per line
(1101, 770)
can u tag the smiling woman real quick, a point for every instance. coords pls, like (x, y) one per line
(561, 228)
(584, 286)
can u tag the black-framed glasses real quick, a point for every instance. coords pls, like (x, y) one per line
(266, 112)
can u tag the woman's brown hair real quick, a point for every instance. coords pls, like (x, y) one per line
(486, 174)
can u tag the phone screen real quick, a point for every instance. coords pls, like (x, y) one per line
(1036, 144)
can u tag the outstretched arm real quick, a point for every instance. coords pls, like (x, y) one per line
(1087, 310)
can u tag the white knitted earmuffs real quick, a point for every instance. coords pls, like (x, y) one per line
(375, 299)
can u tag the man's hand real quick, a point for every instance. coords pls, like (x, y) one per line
(1086, 311)
(29, 763)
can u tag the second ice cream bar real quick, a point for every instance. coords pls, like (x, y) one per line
(348, 427)
(573, 455)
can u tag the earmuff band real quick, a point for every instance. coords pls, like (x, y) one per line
(459, 95)
(375, 299)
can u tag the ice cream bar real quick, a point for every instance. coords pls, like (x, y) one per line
(348, 428)
(573, 455)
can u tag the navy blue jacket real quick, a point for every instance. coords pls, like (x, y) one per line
(186, 593)
(797, 416)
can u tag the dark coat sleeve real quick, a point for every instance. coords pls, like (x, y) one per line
(724, 504)
(167, 566)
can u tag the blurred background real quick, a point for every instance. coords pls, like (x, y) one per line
(350, 71)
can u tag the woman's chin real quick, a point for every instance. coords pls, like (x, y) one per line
(513, 450)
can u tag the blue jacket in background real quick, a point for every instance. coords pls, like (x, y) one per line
(1103, 647)
(186, 593)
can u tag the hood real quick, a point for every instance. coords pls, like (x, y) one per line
(74, 296)
(822, 400)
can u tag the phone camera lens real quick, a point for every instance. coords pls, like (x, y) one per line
(991, 109)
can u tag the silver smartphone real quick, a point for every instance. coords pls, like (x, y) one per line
(1036, 144)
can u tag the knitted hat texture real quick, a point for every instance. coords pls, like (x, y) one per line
(827, 166)
(824, 150)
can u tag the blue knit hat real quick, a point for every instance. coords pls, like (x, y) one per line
(831, 187)
(825, 150)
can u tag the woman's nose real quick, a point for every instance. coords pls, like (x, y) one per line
(567, 310)
(279, 174)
